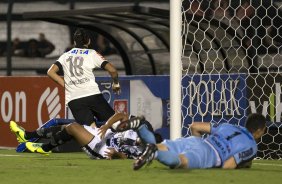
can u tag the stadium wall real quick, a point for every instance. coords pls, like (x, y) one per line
(32, 101)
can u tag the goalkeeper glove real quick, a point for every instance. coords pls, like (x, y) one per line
(116, 88)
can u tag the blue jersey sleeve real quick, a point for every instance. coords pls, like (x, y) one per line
(245, 155)
(214, 128)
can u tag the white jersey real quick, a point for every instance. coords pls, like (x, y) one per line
(78, 65)
(99, 146)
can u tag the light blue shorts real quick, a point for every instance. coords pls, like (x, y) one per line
(196, 150)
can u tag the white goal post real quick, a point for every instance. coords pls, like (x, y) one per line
(175, 68)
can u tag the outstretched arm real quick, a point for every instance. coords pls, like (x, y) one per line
(199, 128)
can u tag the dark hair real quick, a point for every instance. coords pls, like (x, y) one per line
(255, 121)
(81, 38)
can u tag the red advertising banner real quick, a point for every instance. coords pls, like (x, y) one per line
(30, 101)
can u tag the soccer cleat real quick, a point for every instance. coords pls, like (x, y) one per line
(18, 131)
(146, 158)
(36, 148)
(133, 123)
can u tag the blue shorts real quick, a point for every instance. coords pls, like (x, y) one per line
(196, 150)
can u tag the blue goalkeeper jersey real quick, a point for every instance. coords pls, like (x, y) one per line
(231, 140)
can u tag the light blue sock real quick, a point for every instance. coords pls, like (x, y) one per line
(146, 135)
(168, 158)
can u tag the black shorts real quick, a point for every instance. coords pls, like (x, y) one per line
(86, 109)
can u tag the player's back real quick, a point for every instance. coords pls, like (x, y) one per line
(231, 140)
(78, 65)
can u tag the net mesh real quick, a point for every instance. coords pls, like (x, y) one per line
(231, 63)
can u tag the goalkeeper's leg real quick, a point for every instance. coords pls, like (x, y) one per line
(168, 158)
(18, 131)
(57, 139)
(43, 132)
(24, 135)
(146, 135)
(159, 152)
(72, 130)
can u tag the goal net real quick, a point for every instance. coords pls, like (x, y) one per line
(231, 65)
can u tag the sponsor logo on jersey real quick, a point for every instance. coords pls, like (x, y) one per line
(79, 81)
(78, 51)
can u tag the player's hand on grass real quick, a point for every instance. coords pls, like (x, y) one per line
(116, 88)
(110, 153)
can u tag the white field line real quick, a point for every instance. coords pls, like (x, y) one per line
(25, 155)
(278, 165)
(6, 155)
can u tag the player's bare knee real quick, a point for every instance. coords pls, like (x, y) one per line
(162, 147)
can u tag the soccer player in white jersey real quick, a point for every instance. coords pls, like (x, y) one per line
(226, 146)
(82, 94)
(98, 143)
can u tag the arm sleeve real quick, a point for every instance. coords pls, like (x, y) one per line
(59, 65)
(245, 155)
(214, 127)
(61, 59)
(104, 64)
(99, 60)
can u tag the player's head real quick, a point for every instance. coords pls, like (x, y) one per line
(256, 124)
(81, 38)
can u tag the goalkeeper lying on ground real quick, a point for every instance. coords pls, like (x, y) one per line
(107, 145)
(227, 146)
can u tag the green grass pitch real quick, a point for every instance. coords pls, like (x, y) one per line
(76, 168)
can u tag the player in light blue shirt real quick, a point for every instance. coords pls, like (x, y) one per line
(226, 146)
